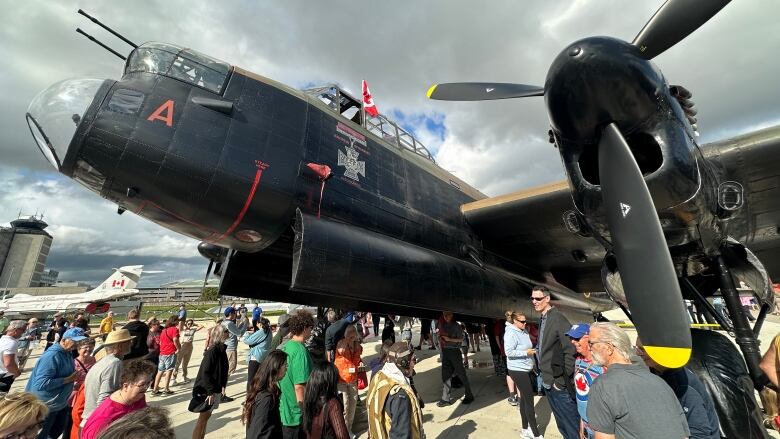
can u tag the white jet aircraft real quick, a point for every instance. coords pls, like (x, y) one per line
(119, 285)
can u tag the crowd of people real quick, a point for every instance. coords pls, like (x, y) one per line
(304, 380)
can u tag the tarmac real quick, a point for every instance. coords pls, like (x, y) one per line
(488, 416)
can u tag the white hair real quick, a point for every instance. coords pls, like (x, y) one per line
(218, 334)
(16, 324)
(615, 336)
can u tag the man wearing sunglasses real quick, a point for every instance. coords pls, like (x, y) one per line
(555, 357)
(585, 373)
(628, 401)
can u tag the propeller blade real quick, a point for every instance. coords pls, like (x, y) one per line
(206, 279)
(482, 91)
(649, 279)
(674, 20)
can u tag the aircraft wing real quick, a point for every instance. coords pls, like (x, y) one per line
(529, 227)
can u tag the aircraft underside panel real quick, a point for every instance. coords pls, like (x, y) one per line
(337, 259)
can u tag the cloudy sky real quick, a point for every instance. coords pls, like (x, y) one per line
(400, 47)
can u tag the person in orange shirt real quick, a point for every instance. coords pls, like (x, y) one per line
(348, 352)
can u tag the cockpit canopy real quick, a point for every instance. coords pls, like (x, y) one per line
(351, 108)
(183, 64)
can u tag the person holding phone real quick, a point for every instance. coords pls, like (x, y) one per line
(520, 362)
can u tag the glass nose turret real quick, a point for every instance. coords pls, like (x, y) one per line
(55, 113)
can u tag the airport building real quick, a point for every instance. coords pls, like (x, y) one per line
(49, 278)
(24, 248)
(179, 291)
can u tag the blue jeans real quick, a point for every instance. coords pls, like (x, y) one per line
(54, 424)
(564, 408)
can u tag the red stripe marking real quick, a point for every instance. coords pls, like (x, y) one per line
(260, 168)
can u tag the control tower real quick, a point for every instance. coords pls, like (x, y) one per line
(24, 248)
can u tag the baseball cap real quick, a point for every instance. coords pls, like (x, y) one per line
(579, 330)
(75, 334)
(229, 310)
(350, 317)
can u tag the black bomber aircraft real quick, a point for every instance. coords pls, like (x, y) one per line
(300, 196)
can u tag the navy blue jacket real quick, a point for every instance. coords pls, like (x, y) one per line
(696, 403)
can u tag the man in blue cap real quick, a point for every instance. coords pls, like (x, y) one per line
(585, 371)
(257, 312)
(52, 380)
(231, 344)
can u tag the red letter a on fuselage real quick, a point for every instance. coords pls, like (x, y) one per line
(166, 108)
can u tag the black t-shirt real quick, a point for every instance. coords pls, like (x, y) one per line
(388, 334)
(425, 326)
(335, 333)
(266, 422)
(490, 331)
(138, 345)
(315, 344)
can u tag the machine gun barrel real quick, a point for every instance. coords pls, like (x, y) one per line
(96, 41)
(96, 21)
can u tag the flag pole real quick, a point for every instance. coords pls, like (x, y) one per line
(363, 120)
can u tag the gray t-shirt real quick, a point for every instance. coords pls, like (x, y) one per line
(452, 330)
(632, 403)
(102, 380)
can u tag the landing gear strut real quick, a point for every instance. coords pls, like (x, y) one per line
(745, 337)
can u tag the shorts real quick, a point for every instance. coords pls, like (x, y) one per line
(167, 362)
(217, 399)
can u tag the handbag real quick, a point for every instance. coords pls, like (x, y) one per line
(362, 380)
(199, 404)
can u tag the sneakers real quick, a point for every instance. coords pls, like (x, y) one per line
(512, 400)
(467, 400)
(443, 403)
(528, 434)
(226, 398)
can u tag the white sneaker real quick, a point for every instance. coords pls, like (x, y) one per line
(528, 434)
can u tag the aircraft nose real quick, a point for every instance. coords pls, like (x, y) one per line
(55, 113)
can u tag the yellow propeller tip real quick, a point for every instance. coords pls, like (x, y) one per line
(431, 90)
(668, 357)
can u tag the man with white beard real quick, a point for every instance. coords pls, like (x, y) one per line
(628, 401)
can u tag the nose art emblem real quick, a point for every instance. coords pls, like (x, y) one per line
(624, 209)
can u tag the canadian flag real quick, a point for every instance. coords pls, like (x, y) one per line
(368, 101)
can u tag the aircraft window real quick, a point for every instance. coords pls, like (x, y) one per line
(90, 177)
(183, 64)
(350, 108)
(126, 101)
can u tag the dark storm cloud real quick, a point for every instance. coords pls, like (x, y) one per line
(400, 47)
(93, 268)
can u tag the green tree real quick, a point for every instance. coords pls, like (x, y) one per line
(209, 294)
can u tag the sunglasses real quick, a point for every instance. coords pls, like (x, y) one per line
(593, 342)
(521, 321)
(537, 299)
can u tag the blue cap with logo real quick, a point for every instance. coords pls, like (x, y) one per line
(579, 330)
(75, 334)
(229, 310)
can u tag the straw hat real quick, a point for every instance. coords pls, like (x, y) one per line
(118, 336)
